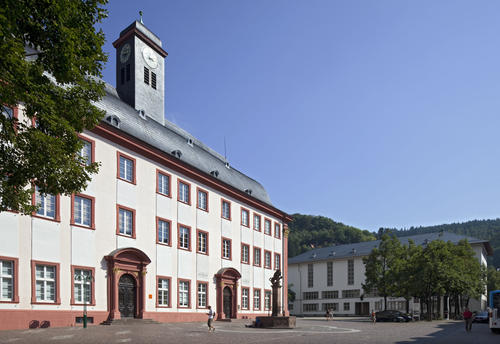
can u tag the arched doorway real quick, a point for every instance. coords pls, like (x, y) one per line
(126, 296)
(227, 302)
(127, 283)
(227, 293)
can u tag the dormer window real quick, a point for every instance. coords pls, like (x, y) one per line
(113, 120)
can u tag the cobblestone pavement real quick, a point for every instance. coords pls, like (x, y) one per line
(308, 330)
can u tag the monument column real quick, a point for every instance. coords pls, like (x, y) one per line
(286, 231)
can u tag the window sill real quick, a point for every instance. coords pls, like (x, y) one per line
(83, 226)
(16, 300)
(205, 210)
(127, 181)
(126, 235)
(163, 244)
(184, 249)
(203, 253)
(46, 303)
(56, 219)
(81, 304)
(164, 195)
(161, 306)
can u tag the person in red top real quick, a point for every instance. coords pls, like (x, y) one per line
(468, 320)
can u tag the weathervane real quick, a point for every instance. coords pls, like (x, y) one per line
(140, 13)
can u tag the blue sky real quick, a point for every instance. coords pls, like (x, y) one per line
(373, 113)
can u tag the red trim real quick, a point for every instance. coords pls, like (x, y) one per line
(92, 146)
(142, 37)
(92, 207)
(248, 217)
(179, 225)
(245, 245)
(260, 222)
(92, 285)
(222, 201)
(267, 220)
(277, 233)
(15, 282)
(117, 136)
(270, 299)
(270, 259)
(120, 154)
(206, 284)
(179, 280)
(179, 181)
(253, 299)
(33, 283)
(57, 217)
(254, 256)
(158, 172)
(277, 255)
(197, 242)
(118, 207)
(158, 219)
(169, 291)
(198, 190)
(245, 288)
(285, 268)
(230, 248)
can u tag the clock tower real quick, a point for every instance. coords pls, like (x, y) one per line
(140, 70)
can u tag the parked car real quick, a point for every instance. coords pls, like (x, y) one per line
(394, 316)
(481, 317)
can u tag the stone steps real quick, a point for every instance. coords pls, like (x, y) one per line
(129, 321)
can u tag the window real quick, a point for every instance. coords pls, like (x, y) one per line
(256, 299)
(351, 294)
(350, 271)
(202, 246)
(310, 307)
(378, 305)
(310, 295)
(310, 275)
(163, 297)
(202, 294)
(226, 209)
(183, 192)
(153, 80)
(183, 292)
(126, 221)
(331, 306)
(45, 276)
(163, 231)
(329, 274)
(277, 230)
(86, 153)
(267, 300)
(7, 112)
(347, 306)
(245, 254)
(256, 256)
(82, 211)
(202, 199)
(8, 279)
(256, 222)
(163, 183)
(245, 215)
(277, 261)
(146, 75)
(244, 298)
(184, 237)
(267, 259)
(48, 205)
(83, 285)
(267, 226)
(226, 248)
(330, 294)
(126, 168)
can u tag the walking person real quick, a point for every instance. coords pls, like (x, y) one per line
(373, 317)
(468, 320)
(210, 322)
(327, 315)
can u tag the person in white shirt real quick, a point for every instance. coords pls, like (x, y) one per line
(210, 322)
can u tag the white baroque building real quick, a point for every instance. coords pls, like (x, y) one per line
(166, 228)
(332, 278)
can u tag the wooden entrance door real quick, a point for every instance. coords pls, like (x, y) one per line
(228, 302)
(126, 296)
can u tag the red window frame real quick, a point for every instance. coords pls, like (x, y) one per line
(57, 217)
(198, 190)
(15, 282)
(277, 255)
(277, 233)
(158, 172)
(267, 220)
(92, 146)
(222, 201)
(134, 164)
(158, 219)
(118, 207)
(197, 242)
(158, 277)
(230, 248)
(92, 216)
(190, 244)
(197, 293)
(249, 255)
(270, 299)
(260, 299)
(255, 249)
(179, 181)
(270, 266)
(179, 280)
(241, 299)
(260, 222)
(92, 285)
(57, 300)
(248, 217)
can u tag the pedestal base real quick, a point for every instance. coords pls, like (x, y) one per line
(276, 322)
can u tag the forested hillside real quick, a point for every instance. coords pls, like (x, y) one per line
(481, 229)
(308, 232)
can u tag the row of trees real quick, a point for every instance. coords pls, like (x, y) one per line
(435, 269)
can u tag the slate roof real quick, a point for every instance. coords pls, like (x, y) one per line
(170, 137)
(364, 248)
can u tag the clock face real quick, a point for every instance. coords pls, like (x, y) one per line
(125, 53)
(150, 57)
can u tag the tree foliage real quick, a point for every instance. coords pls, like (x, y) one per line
(308, 232)
(50, 60)
(493, 279)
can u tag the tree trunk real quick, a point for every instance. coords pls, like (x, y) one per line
(385, 302)
(407, 305)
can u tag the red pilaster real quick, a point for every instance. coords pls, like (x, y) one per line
(285, 269)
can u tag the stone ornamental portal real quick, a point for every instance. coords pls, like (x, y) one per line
(227, 293)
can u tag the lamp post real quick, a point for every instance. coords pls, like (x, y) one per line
(85, 279)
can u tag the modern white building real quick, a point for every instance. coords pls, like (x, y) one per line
(166, 228)
(332, 278)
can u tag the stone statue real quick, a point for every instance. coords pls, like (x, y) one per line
(275, 283)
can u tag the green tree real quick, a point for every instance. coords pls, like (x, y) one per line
(493, 279)
(50, 60)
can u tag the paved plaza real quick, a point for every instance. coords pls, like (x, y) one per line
(308, 330)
